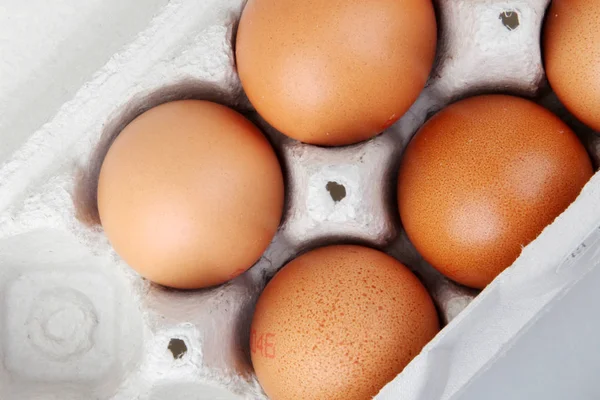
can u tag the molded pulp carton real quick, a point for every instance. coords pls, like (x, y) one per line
(77, 323)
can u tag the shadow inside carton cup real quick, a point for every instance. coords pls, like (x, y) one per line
(588, 137)
(334, 240)
(242, 327)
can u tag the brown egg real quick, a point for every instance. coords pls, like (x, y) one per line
(572, 56)
(482, 179)
(335, 72)
(190, 194)
(338, 323)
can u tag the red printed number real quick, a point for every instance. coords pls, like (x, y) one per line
(263, 344)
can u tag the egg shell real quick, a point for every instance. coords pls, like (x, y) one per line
(571, 46)
(482, 179)
(184, 184)
(313, 75)
(339, 322)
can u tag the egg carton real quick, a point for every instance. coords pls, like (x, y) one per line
(77, 323)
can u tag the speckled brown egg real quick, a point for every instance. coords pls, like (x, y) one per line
(571, 46)
(335, 72)
(338, 323)
(190, 194)
(482, 179)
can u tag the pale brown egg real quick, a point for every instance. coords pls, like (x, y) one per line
(338, 323)
(571, 46)
(482, 179)
(335, 72)
(190, 194)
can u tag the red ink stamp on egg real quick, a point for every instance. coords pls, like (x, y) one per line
(270, 345)
(263, 344)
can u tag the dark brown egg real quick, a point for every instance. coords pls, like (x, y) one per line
(338, 323)
(572, 55)
(482, 179)
(335, 72)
